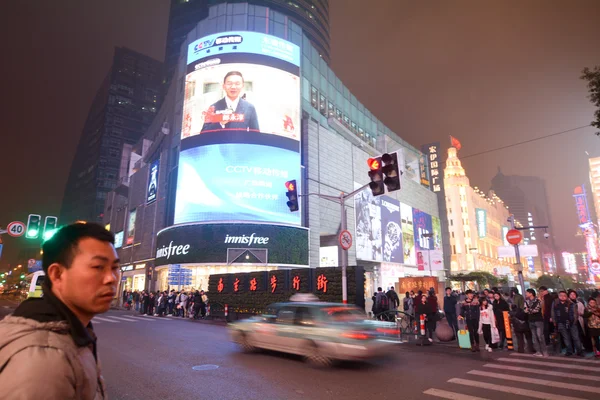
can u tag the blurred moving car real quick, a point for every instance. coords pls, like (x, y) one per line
(320, 332)
(34, 284)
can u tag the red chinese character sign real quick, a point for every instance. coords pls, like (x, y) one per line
(220, 285)
(322, 283)
(273, 282)
(296, 282)
(236, 285)
(583, 214)
(253, 284)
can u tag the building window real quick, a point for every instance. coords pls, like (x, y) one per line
(451, 223)
(330, 109)
(322, 105)
(338, 114)
(314, 97)
(452, 234)
(453, 249)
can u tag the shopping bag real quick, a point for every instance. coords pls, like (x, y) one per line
(464, 339)
(495, 335)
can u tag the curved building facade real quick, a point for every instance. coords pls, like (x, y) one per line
(252, 105)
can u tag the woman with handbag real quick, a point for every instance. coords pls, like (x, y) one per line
(500, 305)
(487, 323)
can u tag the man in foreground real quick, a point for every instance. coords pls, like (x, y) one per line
(48, 346)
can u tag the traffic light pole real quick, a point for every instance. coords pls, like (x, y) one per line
(343, 226)
(518, 253)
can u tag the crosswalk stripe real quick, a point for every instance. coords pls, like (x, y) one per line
(577, 360)
(142, 319)
(123, 319)
(518, 391)
(542, 372)
(105, 320)
(444, 394)
(536, 381)
(550, 364)
(128, 317)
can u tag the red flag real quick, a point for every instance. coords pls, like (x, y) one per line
(455, 143)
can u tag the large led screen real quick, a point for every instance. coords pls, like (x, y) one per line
(240, 138)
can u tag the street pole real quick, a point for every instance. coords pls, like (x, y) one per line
(518, 256)
(343, 226)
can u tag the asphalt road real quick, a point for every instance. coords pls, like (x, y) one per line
(153, 358)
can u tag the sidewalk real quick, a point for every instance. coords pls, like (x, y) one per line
(204, 321)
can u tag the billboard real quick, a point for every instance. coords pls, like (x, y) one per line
(152, 182)
(240, 138)
(118, 240)
(378, 229)
(437, 232)
(408, 234)
(131, 226)
(433, 157)
(423, 226)
(583, 213)
(481, 217)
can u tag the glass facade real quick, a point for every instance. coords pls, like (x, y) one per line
(323, 93)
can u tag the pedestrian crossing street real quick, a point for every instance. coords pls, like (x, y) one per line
(124, 318)
(525, 376)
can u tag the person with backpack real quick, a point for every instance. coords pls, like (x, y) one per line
(393, 298)
(520, 323)
(382, 303)
(407, 304)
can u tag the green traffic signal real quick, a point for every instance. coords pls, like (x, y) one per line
(48, 234)
(33, 226)
(22, 276)
(32, 233)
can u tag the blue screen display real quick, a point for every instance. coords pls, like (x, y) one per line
(235, 182)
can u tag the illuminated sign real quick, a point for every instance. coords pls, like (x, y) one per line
(569, 262)
(127, 268)
(152, 182)
(131, 226)
(583, 213)
(423, 230)
(505, 230)
(322, 283)
(240, 137)
(378, 230)
(118, 239)
(424, 172)
(224, 243)
(481, 217)
(436, 180)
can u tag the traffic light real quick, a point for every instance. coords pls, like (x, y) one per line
(33, 226)
(49, 227)
(376, 176)
(391, 171)
(22, 276)
(292, 195)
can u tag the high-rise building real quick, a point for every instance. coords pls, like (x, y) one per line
(121, 112)
(595, 185)
(311, 15)
(477, 223)
(527, 199)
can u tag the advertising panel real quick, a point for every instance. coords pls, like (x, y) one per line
(505, 230)
(368, 226)
(152, 182)
(432, 153)
(583, 213)
(422, 226)
(378, 230)
(437, 233)
(232, 243)
(408, 234)
(118, 240)
(131, 226)
(481, 217)
(240, 139)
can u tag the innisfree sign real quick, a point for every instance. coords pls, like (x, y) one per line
(233, 243)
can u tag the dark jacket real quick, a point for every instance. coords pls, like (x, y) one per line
(244, 108)
(450, 304)
(547, 304)
(519, 320)
(469, 310)
(533, 308)
(429, 312)
(393, 297)
(564, 313)
(499, 307)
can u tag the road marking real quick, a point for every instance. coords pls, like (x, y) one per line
(577, 360)
(542, 372)
(518, 391)
(444, 394)
(549, 364)
(141, 319)
(123, 319)
(126, 316)
(536, 381)
(104, 319)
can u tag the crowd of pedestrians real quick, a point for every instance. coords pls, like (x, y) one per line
(541, 322)
(182, 304)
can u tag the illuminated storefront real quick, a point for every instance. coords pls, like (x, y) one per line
(133, 277)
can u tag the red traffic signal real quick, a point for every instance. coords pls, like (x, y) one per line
(292, 195)
(290, 185)
(374, 163)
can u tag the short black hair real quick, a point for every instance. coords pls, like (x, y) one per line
(233, 73)
(514, 290)
(563, 291)
(532, 291)
(379, 289)
(448, 288)
(542, 288)
(61, 248)
(572, 291)
(469, 291)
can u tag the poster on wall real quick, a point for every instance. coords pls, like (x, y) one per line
(408, 235)
(391, 230)
(240, 137)
(152, 182)
(131, 226)
(368, 226)
(422, 228)
(437, 233)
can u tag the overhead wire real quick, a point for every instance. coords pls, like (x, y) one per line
(525, 141)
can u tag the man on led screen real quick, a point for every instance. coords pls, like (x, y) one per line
(232, 111)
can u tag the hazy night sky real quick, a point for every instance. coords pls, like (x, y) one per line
(490, 73)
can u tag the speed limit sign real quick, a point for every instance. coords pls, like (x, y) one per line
(16, 229)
